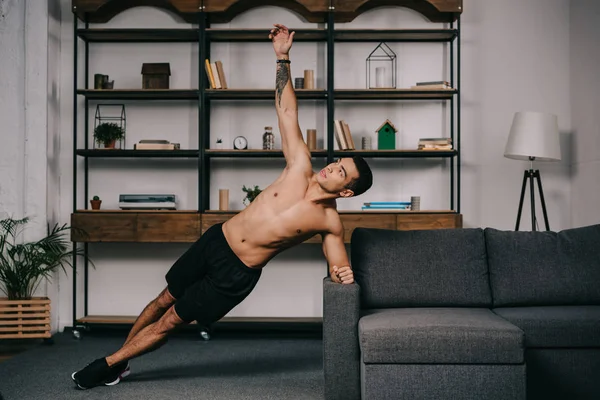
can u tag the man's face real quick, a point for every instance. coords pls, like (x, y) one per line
(336, 176)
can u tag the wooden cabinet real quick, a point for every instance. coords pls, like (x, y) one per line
(135, 226)
(187, 227)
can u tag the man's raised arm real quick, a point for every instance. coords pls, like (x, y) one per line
(286, 104)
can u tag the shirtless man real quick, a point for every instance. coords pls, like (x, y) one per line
(224, 265)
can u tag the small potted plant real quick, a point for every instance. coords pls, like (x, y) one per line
(251, 194)
(219, 143)
(23, 266)
(95, 201)
(107, 133)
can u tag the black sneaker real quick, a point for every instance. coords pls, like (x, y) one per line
(94, 374)
(119, 371)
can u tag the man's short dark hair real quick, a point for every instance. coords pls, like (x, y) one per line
(365, 177)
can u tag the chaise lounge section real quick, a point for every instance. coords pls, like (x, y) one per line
(466, 314)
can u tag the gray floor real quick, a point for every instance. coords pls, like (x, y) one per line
(231, 366)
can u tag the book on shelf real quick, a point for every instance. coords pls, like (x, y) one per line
(348, 135)
(432, 85)
(387, 203)
(428, 83)
(343, 136)
(215, 74)
(386, 206)
(156, 145)
(435, 144)
(391, 209)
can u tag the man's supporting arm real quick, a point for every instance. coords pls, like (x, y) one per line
(334, 250)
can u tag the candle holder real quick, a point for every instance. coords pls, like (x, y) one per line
(381, 68)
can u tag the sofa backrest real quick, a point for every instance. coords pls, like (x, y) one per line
(544, 268)
(428, 268)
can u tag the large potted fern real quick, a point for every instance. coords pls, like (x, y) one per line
(23, 266)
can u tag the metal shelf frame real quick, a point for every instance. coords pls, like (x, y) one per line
(203, 35)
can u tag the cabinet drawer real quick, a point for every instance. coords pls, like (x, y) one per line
(180, 228)
(428, 221)
(103, 227)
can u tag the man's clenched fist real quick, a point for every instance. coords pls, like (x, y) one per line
(343, 274)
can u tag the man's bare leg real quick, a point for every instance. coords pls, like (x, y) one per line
(147, 339)
(151, 313)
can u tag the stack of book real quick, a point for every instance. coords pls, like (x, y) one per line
(386, 206)
(435, 144)
(433, 85)
(156, 145)
(343, 136)
(216, 74)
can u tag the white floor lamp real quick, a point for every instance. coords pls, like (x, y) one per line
(533, 137)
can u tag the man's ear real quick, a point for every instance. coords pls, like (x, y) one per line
(346, 193)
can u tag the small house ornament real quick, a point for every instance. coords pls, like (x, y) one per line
(155, 75)
(386, 136)
(381, 68)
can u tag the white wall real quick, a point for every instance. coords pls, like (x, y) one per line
(585, 103)
(23, 61)
(515, 57)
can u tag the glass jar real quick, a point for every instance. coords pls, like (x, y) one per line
(268, 139)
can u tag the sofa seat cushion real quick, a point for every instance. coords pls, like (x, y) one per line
(556, 326)
(438, 335)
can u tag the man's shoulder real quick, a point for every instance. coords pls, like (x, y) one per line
(333, 220)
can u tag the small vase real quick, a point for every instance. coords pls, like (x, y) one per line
(96, 204)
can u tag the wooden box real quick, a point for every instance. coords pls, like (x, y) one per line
(25, 319)
(155, 75)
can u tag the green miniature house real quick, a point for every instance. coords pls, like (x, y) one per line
(386, 136)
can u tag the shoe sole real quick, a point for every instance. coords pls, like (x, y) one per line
(124, 374)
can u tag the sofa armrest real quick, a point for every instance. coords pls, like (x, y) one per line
(341, 352)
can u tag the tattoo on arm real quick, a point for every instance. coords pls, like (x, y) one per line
(282, 77)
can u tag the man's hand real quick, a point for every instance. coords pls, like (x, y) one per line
(282, 39)
(342, 275)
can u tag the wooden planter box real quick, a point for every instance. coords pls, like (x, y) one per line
(25, 319)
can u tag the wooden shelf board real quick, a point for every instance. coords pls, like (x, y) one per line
(214, 153)
(397, 153)
(262, 35)
(341, 212)
(139, 35)
(262, 94)
(339, 94)
(395, 35)
(126, 319)
(139, 211)
(129, 153)
(394, 94)
(139, 94)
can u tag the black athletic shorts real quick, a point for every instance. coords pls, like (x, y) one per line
(209, 280)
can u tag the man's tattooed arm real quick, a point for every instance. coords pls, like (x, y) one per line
(281, 80)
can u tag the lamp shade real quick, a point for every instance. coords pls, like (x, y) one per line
(533, 134)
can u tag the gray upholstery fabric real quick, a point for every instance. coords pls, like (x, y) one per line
(544, 268)
(556, 326)
(563, 374)
(443, 382)
(430, 268)
(439, 335)
(341, 354)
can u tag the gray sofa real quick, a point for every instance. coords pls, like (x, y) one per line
(477, 314)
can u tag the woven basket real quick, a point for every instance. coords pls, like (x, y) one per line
(25, 319)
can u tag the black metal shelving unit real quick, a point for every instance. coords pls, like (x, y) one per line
(205, 36)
